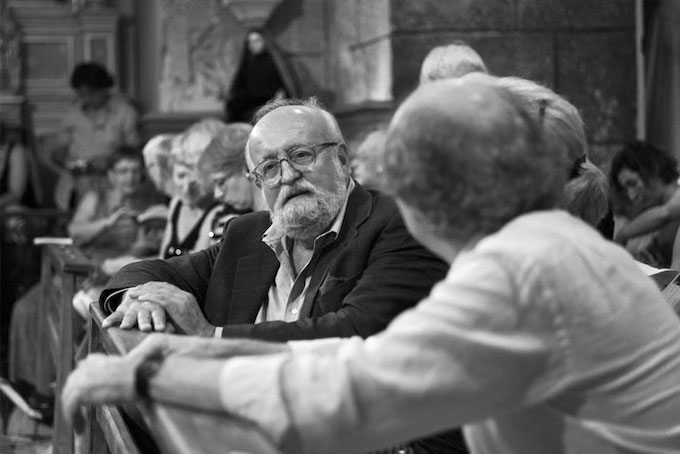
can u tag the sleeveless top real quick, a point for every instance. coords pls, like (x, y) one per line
(193, 241)
(222, 218)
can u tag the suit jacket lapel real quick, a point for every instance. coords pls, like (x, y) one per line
(254, 276)
(359, 207)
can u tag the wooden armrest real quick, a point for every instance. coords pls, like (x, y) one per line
(68, 259)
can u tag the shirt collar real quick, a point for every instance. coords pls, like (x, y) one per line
(275, 238)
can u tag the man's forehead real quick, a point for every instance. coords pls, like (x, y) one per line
(289, 124)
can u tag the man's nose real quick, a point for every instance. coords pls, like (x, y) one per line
(288, 173)
(218, 193)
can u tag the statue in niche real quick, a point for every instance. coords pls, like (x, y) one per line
(262, 75)
(10, 47)
(201, 53)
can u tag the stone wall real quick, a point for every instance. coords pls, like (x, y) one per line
(362, 57)
(583, 49)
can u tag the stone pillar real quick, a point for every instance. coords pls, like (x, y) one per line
(360, 58)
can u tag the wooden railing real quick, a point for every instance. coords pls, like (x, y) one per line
(176, 430)
(64, 268)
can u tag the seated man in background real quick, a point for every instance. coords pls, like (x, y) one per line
(331, 259)
(532, 354)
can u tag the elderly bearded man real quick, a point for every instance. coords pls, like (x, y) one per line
(331, 260)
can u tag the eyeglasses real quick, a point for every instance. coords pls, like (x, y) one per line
(302, 158)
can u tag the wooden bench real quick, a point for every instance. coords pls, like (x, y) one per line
(176, 430)
(63, 269)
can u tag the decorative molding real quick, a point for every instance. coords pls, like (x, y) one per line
(251, 13)
(40, 71)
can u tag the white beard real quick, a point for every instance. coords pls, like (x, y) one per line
(308, 215)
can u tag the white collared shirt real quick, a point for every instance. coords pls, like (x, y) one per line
(287, 293)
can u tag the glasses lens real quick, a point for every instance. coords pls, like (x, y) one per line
(270, 169)
(302, 156)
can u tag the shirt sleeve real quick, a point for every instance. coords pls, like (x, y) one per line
(473, 346)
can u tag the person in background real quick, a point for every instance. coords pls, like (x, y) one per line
(156, 153)
(19, 264)
(99, 122)
(147, 245)
(517, 343)
(15, 190)
(450, 61)
(364, 161)
(261, 76)
(193, 210)
(646, 200)
(103, 226)
(224, 164)
(586, 192)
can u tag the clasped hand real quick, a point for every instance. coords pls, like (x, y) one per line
(147, 306)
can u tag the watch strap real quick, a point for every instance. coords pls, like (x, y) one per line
(145, 371)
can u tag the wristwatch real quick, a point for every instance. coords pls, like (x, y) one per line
(144, 372)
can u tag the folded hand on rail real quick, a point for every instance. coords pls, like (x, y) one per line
(148, 305)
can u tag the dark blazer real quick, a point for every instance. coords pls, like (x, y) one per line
(373, 271)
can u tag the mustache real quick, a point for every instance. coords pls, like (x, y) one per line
(287, 192)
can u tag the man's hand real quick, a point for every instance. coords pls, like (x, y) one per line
(149, 303)
(132, 312)
(98, 379)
